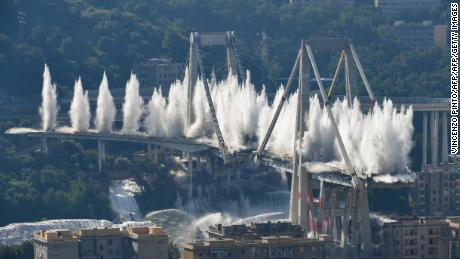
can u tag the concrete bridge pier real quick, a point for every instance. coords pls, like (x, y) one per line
(437, 127)
(444, 148)
(44, 145)
(344, 231)
(152, 153)
(189, 158)
(103, 151)
(332, 231)
(434, 137)
(99, 155)
(424, 140)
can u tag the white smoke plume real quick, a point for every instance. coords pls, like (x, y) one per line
(79, 109)
(377, 142)
(167, 117)
(133, 107)
(105, 111)
(49, 108)
(154, 122)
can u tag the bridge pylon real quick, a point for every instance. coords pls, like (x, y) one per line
(196, 68)
(355, 234)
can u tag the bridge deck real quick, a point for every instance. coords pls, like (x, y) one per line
(331, 175)
(184, 145)
(334, 175)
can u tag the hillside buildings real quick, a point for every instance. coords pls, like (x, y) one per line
(438, 190)
(268, 247)
(156, 72)
(427, 238)
(108, 243)
(258, 241)
(343, 2)
(396, 8)
(423, 34)
(255, 231)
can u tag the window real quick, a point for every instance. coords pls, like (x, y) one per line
(110, 242)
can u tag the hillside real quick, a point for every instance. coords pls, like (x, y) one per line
(77, 37)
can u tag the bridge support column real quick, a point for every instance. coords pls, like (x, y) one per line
(445, 134)
(192, 78)
(321, 214)
(190, 175)
(332, 231)
(305, 201)
(434, 137)
(365, 224)
(345, 226)
(103, 151)
(199, 165)
(356, 226)
(294, 197)
(304, 207)
(152, 153)
(231, 61)
(44, 145)
(348, 91)
(350, 76)
(424, 141)
(99, 155)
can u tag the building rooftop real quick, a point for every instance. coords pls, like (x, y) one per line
(132, 232)
(265, 241)
(255, 230)
(54, 235)
(414, 221)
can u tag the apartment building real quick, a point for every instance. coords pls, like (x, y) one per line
(158, 72)
(437, 191)
(423, 34)
(107, 243)
(421, 238)
(280, 247)
(397, 8)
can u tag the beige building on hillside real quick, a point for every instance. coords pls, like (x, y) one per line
(280, 247)
(423, 34)
(157, 72)
(397, 8)
(421, 238)
(108, 243)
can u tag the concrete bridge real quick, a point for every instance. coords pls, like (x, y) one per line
(355, 215)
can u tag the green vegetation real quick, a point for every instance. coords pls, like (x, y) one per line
(66, 183)
(23, 251)
(77, 37)
(40, 186)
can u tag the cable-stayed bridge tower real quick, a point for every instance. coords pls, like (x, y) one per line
(355, 224)
(196, 68)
